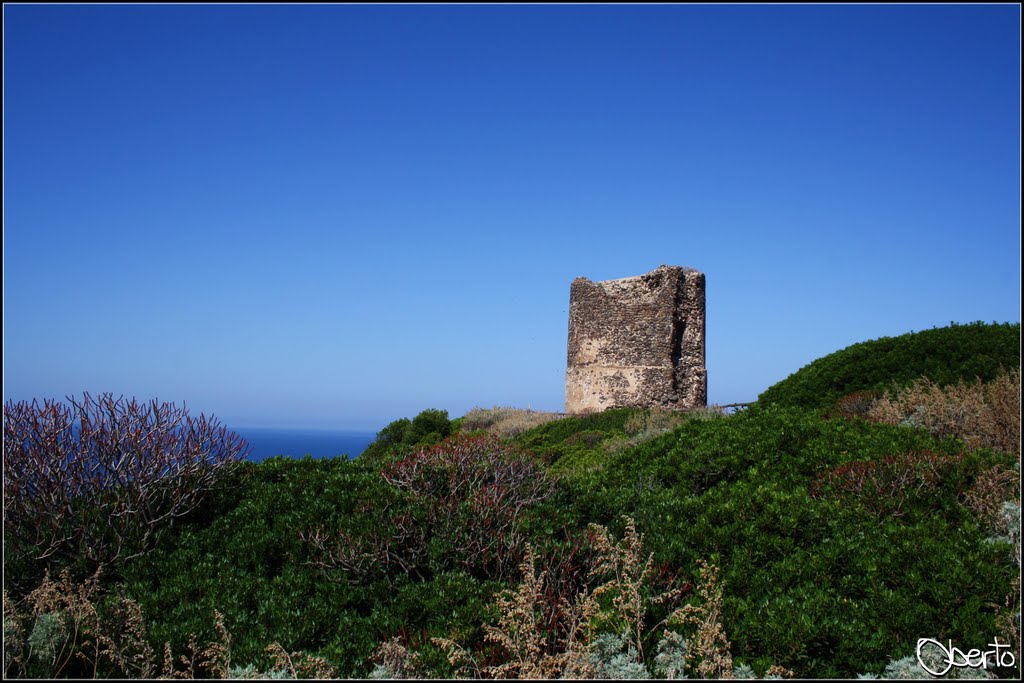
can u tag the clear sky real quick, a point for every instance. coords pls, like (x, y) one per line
(335, 216)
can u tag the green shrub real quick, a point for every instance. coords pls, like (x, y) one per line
(944, 355)
(577, 443)
(461, 507)
(402, 436)
(249, 559)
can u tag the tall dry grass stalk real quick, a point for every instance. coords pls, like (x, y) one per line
(982, 415)
(61, 631)
(520, 631)
(299, 664)
(542, 633)
(627, 572)
(709, 647)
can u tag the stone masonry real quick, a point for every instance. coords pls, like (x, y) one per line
(638, 341)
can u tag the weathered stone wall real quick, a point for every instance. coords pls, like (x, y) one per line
(638, 341)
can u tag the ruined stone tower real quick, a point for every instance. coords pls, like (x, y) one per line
(638, 341)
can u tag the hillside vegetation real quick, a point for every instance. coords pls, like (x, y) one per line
(783, 540)
(944, 355)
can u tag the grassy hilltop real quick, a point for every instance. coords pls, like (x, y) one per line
(864, 502)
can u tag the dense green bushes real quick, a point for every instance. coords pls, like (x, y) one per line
(945, 355)
(817, 580)
(401, 436)
(253, 560)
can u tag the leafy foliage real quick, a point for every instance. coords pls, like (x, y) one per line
(244, 555)
(403, 435)
(944, 355)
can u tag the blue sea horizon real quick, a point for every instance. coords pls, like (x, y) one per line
(268, 442)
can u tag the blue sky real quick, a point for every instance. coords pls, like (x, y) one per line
(335, 216)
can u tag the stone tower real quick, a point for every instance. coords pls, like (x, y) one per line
(638, 341)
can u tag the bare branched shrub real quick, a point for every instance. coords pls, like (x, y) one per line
(469, 491)
(857, 404)
(400, 546)
(506, 422)
(98, 477)
(982, 415)
(993, 487)
(886, 486)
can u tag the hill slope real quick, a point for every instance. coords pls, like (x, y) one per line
(944, 355)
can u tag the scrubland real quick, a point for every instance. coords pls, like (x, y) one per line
(869, 500)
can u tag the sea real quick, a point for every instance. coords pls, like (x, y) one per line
(268, 442)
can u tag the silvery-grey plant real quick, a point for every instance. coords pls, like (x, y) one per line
(670, 662)
(250, 672)
(47, 636)
(743, 672)
(614, 657)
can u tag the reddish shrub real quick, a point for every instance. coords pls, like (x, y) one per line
(466, 496)
(95, 478)
(885, 486)
(857, 404)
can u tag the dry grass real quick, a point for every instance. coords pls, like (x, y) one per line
(709, 647)
(504, 421)
(1007, 617)
(538, 639)
(520, 631)
(59, 631)
(982, 415)
(67, 635)
(299, 664)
